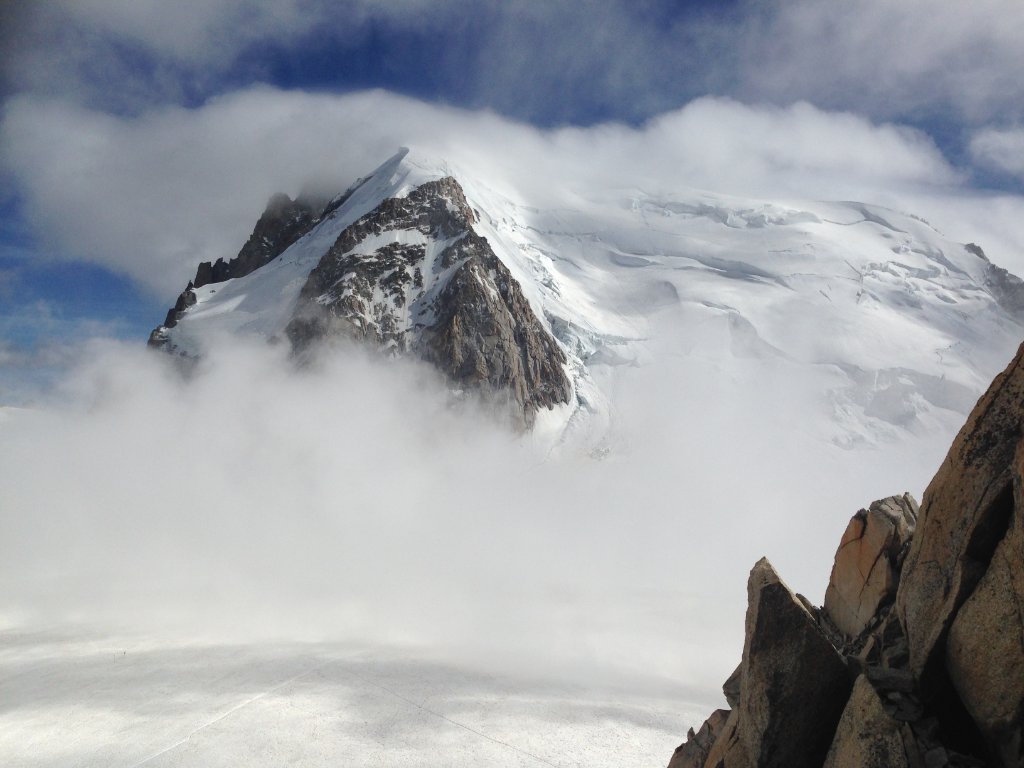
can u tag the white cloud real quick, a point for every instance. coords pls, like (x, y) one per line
(153, 195)
(1000, 149)
(349, 501)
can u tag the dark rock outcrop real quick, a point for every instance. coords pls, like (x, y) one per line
(939, 670)
(793, 683)
(985, 648)
(731, 687)
(283, 222)
(461, 309)
(965, 513)
(693, 752)
(868, 736)
(412, 276)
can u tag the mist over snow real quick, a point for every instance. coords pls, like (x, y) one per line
(354, 500)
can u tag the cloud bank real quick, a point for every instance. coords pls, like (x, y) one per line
(914, 60)
(352, 501)
(1000, 149)
(547, 62)
(151, 196)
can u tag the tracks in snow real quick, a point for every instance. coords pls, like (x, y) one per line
(362, 679)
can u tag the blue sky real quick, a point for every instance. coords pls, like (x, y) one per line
(135, 134)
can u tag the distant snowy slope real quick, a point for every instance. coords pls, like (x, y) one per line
(900, 324)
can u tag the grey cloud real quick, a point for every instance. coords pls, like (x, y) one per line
(916, 60)
(1000, 149)
(912, 60)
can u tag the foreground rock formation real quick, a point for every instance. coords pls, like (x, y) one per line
(917, 657)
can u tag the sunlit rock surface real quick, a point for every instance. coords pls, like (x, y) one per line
(940, 671)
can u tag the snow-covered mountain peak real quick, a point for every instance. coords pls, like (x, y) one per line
(395, 262)
(899, 324)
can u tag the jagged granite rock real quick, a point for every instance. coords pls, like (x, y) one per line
(729, 750)
(868, 562)
(186, 299)
(985, 649)
(410, 276)
(941, 669)
(794, 683)
(964, 515)
(693, 752)
(282, 223)
(413, 276)
(869, 737)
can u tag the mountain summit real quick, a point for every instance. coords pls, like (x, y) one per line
(396, 262)
(896, 326)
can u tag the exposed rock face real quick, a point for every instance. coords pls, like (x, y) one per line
(985, 649)
(868, 562)
(964, 515)
(186, 299)
(413, 276)
(867, 735)
(283, 222)
(694, 751)
(940, 670)
(793, 681)
(729, 751)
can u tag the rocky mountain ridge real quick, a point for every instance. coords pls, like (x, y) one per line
(458, 308)
(916, 658)
(410, 276)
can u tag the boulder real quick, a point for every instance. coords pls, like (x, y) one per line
(693, 752)
(985, 649)
(867, 564)
(794, 684)
(964, 515)
(867, 736)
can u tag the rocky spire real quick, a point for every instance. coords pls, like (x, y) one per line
(411, 276)
(924, 613)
